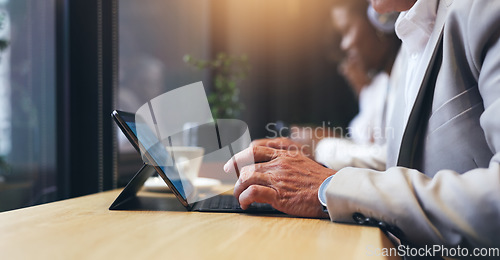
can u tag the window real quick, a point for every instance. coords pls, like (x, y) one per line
(27, 103)
(58, 73)
(154, 36)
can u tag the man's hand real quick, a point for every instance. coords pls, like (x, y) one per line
(284, 143)
(288, 181)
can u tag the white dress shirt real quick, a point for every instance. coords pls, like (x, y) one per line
(414, 28)
(367, 126)
(365, 145)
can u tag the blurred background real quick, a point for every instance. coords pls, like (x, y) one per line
(290, 45)
(68, 64)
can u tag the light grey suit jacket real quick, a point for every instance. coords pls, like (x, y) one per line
(442, 185)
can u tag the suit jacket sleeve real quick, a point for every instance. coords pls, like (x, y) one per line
(450, 208)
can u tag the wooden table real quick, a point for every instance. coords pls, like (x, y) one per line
(84, 228)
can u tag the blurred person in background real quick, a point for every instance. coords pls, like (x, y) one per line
(369, 46)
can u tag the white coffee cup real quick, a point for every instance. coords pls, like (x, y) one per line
(188, 160)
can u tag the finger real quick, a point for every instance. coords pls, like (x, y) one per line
(280, 144)
(273, 143)
(259, 194)
(260, 142)
(251, 155)
(251, 177)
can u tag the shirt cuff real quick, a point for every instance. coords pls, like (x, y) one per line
(322, 191)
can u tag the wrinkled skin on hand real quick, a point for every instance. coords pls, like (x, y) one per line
(284, 143)
(287, 180)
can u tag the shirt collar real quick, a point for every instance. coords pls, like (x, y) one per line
(414, 27)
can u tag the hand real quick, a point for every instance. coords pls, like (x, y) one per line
(288, 181)
(284, 143)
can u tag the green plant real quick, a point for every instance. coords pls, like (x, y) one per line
(227, 71)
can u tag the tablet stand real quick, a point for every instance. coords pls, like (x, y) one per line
(129, 193)
(128, 199)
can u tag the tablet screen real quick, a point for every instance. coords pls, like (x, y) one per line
(156, 154)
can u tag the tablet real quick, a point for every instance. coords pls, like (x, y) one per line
(155, 156)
